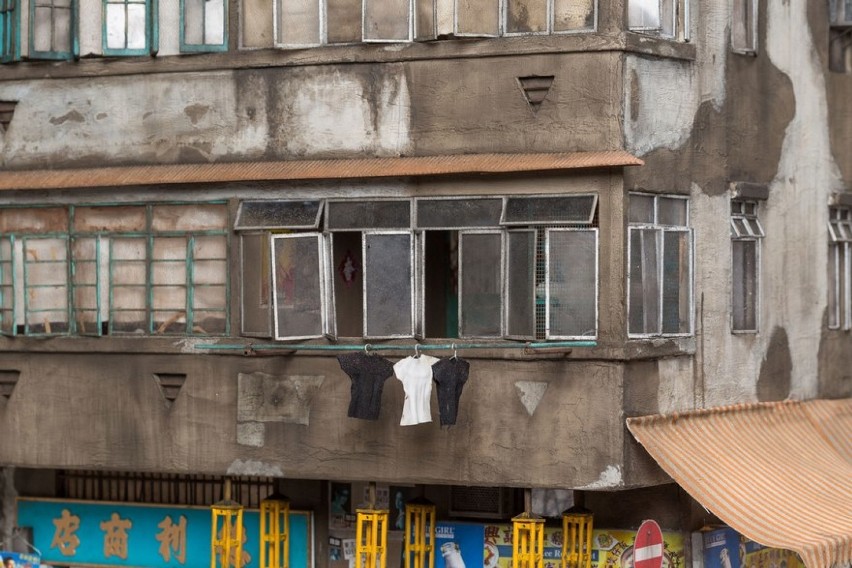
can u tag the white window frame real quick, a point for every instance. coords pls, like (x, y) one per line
(320, 278)
(746, 227)
(679, 26)
(840, 249)
(549, 24)
(659, 232)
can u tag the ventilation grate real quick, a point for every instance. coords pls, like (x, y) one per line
(7, 110)
(484, 502)
(170, 385)
(535, 89)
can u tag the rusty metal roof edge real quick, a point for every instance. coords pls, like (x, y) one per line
(405, 166)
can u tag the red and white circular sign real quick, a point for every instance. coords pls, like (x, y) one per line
(648, 547)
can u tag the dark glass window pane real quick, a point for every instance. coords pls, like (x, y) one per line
(676, 289)
(644, 282)
(387, 260)
(563, 209)
(481, 285)
(278, 215)
(348, 215)
(572, 283)
(256, 284)
(458, 213)
(744, 282)
(521, 284)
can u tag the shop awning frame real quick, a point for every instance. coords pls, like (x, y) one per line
(779, 473)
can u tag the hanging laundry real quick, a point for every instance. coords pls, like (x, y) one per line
(450, 376)
(368, 374)
(415, 373)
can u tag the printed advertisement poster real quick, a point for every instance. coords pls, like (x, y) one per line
(610, 548)
(614, 549)
(459, 545)
(726, 548)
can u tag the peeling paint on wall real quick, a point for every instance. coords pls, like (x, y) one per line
(254, 467)
(610, 478)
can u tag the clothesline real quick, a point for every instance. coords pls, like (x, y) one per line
(395, 347)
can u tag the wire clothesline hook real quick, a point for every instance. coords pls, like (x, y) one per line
(455, 352)
(367, 349)
(417, 350)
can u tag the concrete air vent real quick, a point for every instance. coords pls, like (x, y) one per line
(7, 109)
(535, 89)
(170, 385)
(8, 380)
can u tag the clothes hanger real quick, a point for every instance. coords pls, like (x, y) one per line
(416, 350)
(455, 353)
(367, 349)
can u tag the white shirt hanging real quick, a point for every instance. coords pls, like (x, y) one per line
(415, 373)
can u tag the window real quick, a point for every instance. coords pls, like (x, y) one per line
(744, 26)
(52, 29)
(490, 267)
(840, 268)
(9, 24)
(665, 18)
(660, 266)
(746, 234)
(129, 27)
(302, 23)
(203, 25)
(840, 36)
(131, 269)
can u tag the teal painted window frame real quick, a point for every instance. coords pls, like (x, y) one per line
(152, 35)
(203, 47)
(88, 276)
(10, 26)
(73, 51)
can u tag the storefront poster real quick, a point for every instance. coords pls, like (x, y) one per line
(21, 560)
(726, 548)
(121, 534)
(458, 545)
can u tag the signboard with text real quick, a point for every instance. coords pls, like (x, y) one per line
(125, 534)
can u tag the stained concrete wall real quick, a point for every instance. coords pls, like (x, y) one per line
(520, 423)
(769, 118)
(389, 109)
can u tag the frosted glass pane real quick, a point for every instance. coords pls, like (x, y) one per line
(526, 16)
(62, 30)
(298, 22)
(643, 14)
(298, 291)
(193, 22)
(214, 22)
(343, 21)
(136, 26)
(115, 26)
(571, 15)
(477, 17)
(41, 29)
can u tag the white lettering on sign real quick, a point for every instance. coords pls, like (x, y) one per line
(648, 552)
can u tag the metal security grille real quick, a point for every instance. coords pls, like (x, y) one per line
(487, 502)
(163, 489)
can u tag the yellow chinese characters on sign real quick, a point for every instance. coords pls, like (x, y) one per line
(172, 539)
(614, 549)
(115, 536)
(64, 537)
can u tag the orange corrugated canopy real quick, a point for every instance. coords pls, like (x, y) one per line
(778, 473)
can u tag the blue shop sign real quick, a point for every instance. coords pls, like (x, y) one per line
(123, 534)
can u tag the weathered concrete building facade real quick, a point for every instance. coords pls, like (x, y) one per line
(609, 209)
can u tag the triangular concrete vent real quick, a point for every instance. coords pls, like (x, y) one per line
(535, 89)
(8, 380)
(170, 385)
(530, 393)
(7, 110)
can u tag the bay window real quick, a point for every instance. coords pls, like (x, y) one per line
(490, 267)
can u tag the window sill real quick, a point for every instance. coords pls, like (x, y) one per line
(458, 48)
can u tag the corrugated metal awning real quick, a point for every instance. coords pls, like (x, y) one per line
(312, 169)
(778, 473)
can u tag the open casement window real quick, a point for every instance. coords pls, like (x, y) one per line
(10, 21)
(746, 234)
(130, 27)
(298, 286)
(203, 25)
(840, 268)
(660, 267)
(53, 29)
